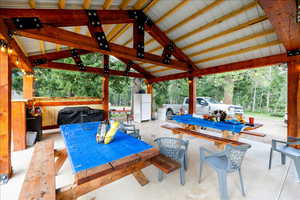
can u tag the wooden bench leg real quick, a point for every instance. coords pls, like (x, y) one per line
(140, 177)
(61, 158)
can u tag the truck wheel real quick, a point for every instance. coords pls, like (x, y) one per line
(169, 114)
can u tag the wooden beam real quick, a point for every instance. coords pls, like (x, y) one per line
(56, 55)
(66, 53)
(107, 4)
(138, 68)
(160, 70)
(120, 30)
(61, 4)
(67, 17)
(96, 70)
(31, 3)
(63, 37)
(215, 22)
(140, 177)
(233, 42)
(42, 46)
(293, 99)
(86, 4)
(5, 117)
(192, 95)
(105, 96)
(28, 86)
(239, 51)
(163, 39)
(17, 51)
(282, 15)
(242, 65)
(226, 32)
(192, 17)
(61, 158)
(18, 125)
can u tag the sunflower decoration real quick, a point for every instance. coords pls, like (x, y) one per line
(219, 115)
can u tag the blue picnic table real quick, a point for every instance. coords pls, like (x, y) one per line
(85, 153)
(232, 126)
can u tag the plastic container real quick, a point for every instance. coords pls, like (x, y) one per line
(31, 137)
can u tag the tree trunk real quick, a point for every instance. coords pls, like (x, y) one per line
(228, 89)
(136, 87)
(254, 98)
(269, 90)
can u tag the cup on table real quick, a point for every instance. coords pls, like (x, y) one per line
(251, 120)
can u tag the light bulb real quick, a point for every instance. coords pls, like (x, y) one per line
(10, 51)
(3, 49)
(17, 62)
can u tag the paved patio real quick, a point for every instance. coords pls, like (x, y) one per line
(280, 183)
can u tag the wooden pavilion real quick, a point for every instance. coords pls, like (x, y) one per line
(158, 40)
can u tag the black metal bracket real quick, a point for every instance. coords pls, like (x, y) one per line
(3, 179)
(102, 42)
(128, 67)
(93, 18)
(39, 61)
(106, 68)
(77, 59)
(3, 43)
(294, 52)
(95, 21)
(140, 51)
(27, 22)
(167, 53)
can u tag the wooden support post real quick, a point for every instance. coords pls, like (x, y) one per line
(28, 86)
(192, 95)
(105, 88)
(5, 118)
(293, 98)
(140, 177)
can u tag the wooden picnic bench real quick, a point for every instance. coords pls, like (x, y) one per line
(39, 183)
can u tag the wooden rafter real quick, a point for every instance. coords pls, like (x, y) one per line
(61, 4)
(213, 23)
(282, 15)
(190, 18)
(67, 17)
(167, 14)
(233, 42)
(17, 53)
(226, 32)
(31, 3)
(117, 27)
(242, 65)
(137, 68)
(120, 30)
(107, 4)
(239, 51)
(96, 70)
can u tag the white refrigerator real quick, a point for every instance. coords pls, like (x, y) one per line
(142, 107)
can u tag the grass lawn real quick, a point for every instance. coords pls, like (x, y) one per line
(263, 115)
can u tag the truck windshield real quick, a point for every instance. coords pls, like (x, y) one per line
(212, 100)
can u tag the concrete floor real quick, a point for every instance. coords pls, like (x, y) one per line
(280, 183)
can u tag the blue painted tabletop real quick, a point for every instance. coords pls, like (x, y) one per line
(85, 153)
(223, 126)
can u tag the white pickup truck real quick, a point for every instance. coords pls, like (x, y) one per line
(205, 105)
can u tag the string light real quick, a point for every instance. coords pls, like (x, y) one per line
(3, 45)
(17, 62)
(10, 50)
